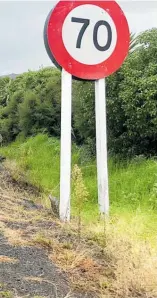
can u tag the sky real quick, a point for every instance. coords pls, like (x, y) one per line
(21, 31)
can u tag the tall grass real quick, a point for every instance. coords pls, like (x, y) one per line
(130, 233)
(132, 184)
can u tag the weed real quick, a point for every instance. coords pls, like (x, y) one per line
(6, 294)
(42, 240)
(80, 194)
(67, 245)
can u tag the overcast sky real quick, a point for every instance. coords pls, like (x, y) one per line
(21, 30)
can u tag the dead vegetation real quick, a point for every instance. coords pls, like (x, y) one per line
(118, 267)
(6, 259)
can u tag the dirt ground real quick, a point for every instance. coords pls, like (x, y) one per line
(39, 257)
(30, 263)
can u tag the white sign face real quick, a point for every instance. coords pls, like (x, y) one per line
(89, 39)
(93, 34)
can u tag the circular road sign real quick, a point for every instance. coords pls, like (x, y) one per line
(89, 39)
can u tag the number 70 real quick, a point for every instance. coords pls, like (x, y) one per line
(86, 23)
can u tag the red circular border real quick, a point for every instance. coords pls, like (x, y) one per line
(63, 58)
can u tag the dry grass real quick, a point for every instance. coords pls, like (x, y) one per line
(132, 262)
(83, 271)
(15, 237)
(135, 269)
(40, 239)
(35, 279)
(122, 266)
(15, 171)
(126, 268)
(6, 259)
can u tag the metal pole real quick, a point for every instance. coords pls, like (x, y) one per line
(101, 146)
(65, 156)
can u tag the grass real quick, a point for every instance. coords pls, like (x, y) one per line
(128, 254)
(132, 184)
(4, 293)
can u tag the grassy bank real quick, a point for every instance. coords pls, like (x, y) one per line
(132, 185)
(130, 234)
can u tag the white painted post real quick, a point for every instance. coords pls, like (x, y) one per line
(101, 146)
(65, 156)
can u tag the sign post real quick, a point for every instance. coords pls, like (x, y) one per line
(65, 164)
(88, 40)
(101, 146)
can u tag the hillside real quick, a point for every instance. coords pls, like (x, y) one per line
(109, 259)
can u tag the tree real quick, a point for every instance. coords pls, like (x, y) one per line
(137, 100)
(4, 90)
(131, 101)
(84, 113)
(28, 116)
(10, 118)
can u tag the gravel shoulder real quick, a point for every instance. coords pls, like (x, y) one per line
(35, 251)
(28, 271)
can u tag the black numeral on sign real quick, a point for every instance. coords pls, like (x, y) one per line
(86, 23)
(95, 36)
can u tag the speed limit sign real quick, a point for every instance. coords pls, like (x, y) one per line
(89, 39)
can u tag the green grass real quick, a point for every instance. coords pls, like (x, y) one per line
(132, 184)
(130, 233)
